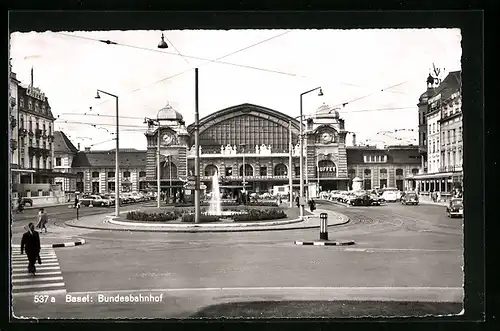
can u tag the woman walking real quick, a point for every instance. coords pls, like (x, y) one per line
(43, 219)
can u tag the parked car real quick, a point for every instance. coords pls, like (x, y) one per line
(455, 207)
(360, 199)
(376, 200)
(391, 195)
(94, 200)
(26, 202)
(109, 201)
(409, 198)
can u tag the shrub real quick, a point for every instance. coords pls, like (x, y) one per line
(263, 203)
(189, 218)
(260, 215)
(152, 217)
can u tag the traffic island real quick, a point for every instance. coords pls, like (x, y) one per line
(323, 236)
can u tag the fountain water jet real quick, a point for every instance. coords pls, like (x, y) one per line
(215, 203)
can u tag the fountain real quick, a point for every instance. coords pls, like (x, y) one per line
(215, 203)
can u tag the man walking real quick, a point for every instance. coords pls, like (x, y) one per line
(43, 219)
(30, 243)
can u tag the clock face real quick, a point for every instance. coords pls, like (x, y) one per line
(167, 139)
(326, 137)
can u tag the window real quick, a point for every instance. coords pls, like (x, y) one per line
(383, 171)
(229, 171)
(443, 139)
(351, 173)
(248, 170)
(50, 130)
(30, 104)
(126, 174)
(21, 102)
(368, 184)
(22, 163)
(142, 174)
(383, 182)
(454, 135)
(368, 172)
(111, 174)
(399, 172)
(210, 170)
(414, 171)
(111, 186)
(31, 125)
(263, 171)
(280, 170)
(449, 136)
(37, 142)
(297, 172)
(460, 133)
(95, 174)
(58, 161)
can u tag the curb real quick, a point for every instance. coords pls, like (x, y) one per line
(325, 243)
(47, 206)
(199, 230)
(79, 242)
(206, 226)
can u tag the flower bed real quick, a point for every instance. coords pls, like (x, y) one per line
(260, 215)
(231, 203)
(153, 217)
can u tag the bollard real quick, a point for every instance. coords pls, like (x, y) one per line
(323, 228)
(77, 209)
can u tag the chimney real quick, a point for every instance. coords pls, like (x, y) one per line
(354, 139)
(78, 146)
(87, 149)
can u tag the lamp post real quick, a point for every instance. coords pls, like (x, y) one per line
(243, 147)
(290, 173)
(301, 160)
(117, 155)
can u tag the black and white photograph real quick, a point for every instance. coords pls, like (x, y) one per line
(240, 173)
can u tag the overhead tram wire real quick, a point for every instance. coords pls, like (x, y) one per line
(208, 61)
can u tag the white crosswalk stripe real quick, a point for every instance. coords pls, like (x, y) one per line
(48, 279)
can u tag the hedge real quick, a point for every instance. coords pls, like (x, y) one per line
(260, 215)
(153, 217)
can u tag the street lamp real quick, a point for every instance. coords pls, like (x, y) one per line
(117, 163)
(301, 161)
(162, 44)
(243, 146)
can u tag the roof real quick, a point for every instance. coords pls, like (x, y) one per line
(168, 113)
(106, 159)
(62, 144)
(395, 154)
(451, 84)
(325, 111)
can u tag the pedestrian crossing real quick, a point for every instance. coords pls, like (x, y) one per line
(48, 279)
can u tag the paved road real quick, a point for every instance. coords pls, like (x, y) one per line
(401, 252)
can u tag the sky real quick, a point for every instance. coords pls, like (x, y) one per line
(379, 73)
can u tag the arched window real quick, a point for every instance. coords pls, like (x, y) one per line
(399, 172)
(383, 171)
(414, 171)
(248, 170)
(368, 172)
(280, 170)
(168, 170)
(351, 173)
(211, 170)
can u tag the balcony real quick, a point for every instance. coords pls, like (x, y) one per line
(13, 144)
(23, 132)
(13, 121)
(38, 132)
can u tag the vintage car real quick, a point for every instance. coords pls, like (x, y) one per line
(26, 202)
(455, 207)
(94, 200)
(360, 199)
(409, 198)
(391, 195)
(376, 200)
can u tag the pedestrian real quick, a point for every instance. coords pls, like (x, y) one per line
(30, 243)
(43, 219)
(312, 205)
(297, 201)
